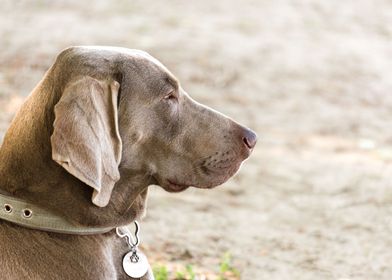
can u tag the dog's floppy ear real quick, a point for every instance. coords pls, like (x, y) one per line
(86, 140)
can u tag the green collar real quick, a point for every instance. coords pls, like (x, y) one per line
(28, 215)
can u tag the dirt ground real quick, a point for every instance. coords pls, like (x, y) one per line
(313, 78)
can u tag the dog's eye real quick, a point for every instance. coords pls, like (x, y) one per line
(170, 96)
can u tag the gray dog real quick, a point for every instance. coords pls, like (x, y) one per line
(101, 127)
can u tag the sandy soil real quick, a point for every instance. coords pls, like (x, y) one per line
(313, 78)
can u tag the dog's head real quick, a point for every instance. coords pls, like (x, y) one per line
(122, 113)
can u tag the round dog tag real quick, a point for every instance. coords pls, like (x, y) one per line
(135, 264)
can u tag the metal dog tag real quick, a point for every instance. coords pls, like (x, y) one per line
(135, 264)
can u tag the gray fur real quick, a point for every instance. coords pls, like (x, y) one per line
(160, 141)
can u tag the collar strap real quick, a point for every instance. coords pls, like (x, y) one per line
(25, 214)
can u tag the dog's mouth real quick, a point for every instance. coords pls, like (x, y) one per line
(174, 186)
(211, 178)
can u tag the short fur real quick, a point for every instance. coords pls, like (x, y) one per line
(101, 127)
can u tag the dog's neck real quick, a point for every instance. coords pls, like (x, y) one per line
(27, 170)
(22, 158)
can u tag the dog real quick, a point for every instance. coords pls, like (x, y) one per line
(103, 125)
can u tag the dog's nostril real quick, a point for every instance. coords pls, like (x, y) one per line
(249, 139)
(246, 142)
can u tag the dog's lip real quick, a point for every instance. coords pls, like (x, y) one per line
(175, 186)
(170, 185)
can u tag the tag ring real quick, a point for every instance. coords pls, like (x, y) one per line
(130, 240)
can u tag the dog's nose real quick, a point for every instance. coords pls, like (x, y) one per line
(249, 138)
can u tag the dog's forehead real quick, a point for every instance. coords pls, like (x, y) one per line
(125, 51)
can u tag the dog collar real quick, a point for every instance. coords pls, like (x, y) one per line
(28, 215)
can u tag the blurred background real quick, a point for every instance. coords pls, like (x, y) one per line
(312, 78)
